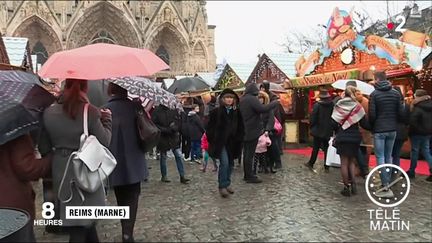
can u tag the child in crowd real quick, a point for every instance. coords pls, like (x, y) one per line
(260, 153)
(204, 146)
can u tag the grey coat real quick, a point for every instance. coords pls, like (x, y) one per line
(63, 134)
(131, 163)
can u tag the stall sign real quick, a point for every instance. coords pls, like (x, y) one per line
(323, 79)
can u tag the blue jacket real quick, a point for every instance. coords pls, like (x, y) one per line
(131, 163)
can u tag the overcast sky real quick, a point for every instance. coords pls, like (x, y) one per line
(246, 28)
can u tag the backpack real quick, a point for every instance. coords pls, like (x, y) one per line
(91, 164)
(148, 133)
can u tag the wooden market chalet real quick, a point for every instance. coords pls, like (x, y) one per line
(349, 55)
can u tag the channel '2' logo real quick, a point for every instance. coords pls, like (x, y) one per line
(48, 210)
(401, 20)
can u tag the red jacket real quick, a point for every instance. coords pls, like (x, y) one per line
(204, 142)
(18, 166)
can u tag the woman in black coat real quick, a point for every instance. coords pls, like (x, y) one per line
(347, 115)
(131, 166)
(225, 131)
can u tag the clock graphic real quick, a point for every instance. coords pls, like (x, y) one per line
(399, 184)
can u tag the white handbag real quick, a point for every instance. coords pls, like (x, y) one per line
(91, 164)
(332, 158)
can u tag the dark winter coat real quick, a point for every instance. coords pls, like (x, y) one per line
(421, 116)
(184, 130)
(131, 163)
(351, 134)
(168, 121)
(225, 129)
(385, 108)
(18, 166)
(402, 127)
(251, 110)
(320, 119)
(196, 126)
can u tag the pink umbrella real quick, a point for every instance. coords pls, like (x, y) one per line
(102, 61)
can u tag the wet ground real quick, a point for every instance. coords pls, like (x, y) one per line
(293, 205)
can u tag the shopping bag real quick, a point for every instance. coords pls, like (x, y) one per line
(332, 158)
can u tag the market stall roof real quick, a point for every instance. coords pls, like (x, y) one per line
(209, 78)
(243, 70)
(285, 62)
(229, 79)
(17, 50)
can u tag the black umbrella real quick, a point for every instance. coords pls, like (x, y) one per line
(21, 99)
(188, 84)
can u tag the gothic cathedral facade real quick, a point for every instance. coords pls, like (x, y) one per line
(176, 31)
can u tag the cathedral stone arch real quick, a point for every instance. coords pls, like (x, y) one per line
(107, 17)
(200, 56)
(40, 35)
(174, 44)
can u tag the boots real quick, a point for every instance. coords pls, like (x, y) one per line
(223, 192)
(346, 191)
(183, 180)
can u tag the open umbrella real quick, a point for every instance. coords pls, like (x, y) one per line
(102, 61)
(148, 89)
(365, 88)
(20, 102)
(188, 84)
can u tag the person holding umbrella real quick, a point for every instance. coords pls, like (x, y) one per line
(131, 166)
(68, 113)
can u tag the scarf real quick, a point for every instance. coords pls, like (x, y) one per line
(347, 112)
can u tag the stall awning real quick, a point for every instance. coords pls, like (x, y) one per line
(399, 72)
(323, 79)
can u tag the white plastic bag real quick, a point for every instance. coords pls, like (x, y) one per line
(332, 158)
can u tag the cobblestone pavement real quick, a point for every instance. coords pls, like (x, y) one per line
(293, 205)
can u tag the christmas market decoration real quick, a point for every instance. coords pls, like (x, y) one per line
(229, 79)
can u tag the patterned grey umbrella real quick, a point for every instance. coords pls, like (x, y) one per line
(148, 89)
(21, 99)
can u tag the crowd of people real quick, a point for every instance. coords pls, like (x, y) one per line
(230, 128)
(383, 121)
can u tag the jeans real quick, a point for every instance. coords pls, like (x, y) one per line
(178, 158)
(196, 149)
(383, 152)
(248, 154)
(397, 148)
(225, 170)
(419, 142)
(318, 143)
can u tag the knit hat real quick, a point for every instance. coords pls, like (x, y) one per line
(420, 93)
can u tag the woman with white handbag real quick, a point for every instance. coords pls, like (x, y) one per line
(66, 123)
(347, 115)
